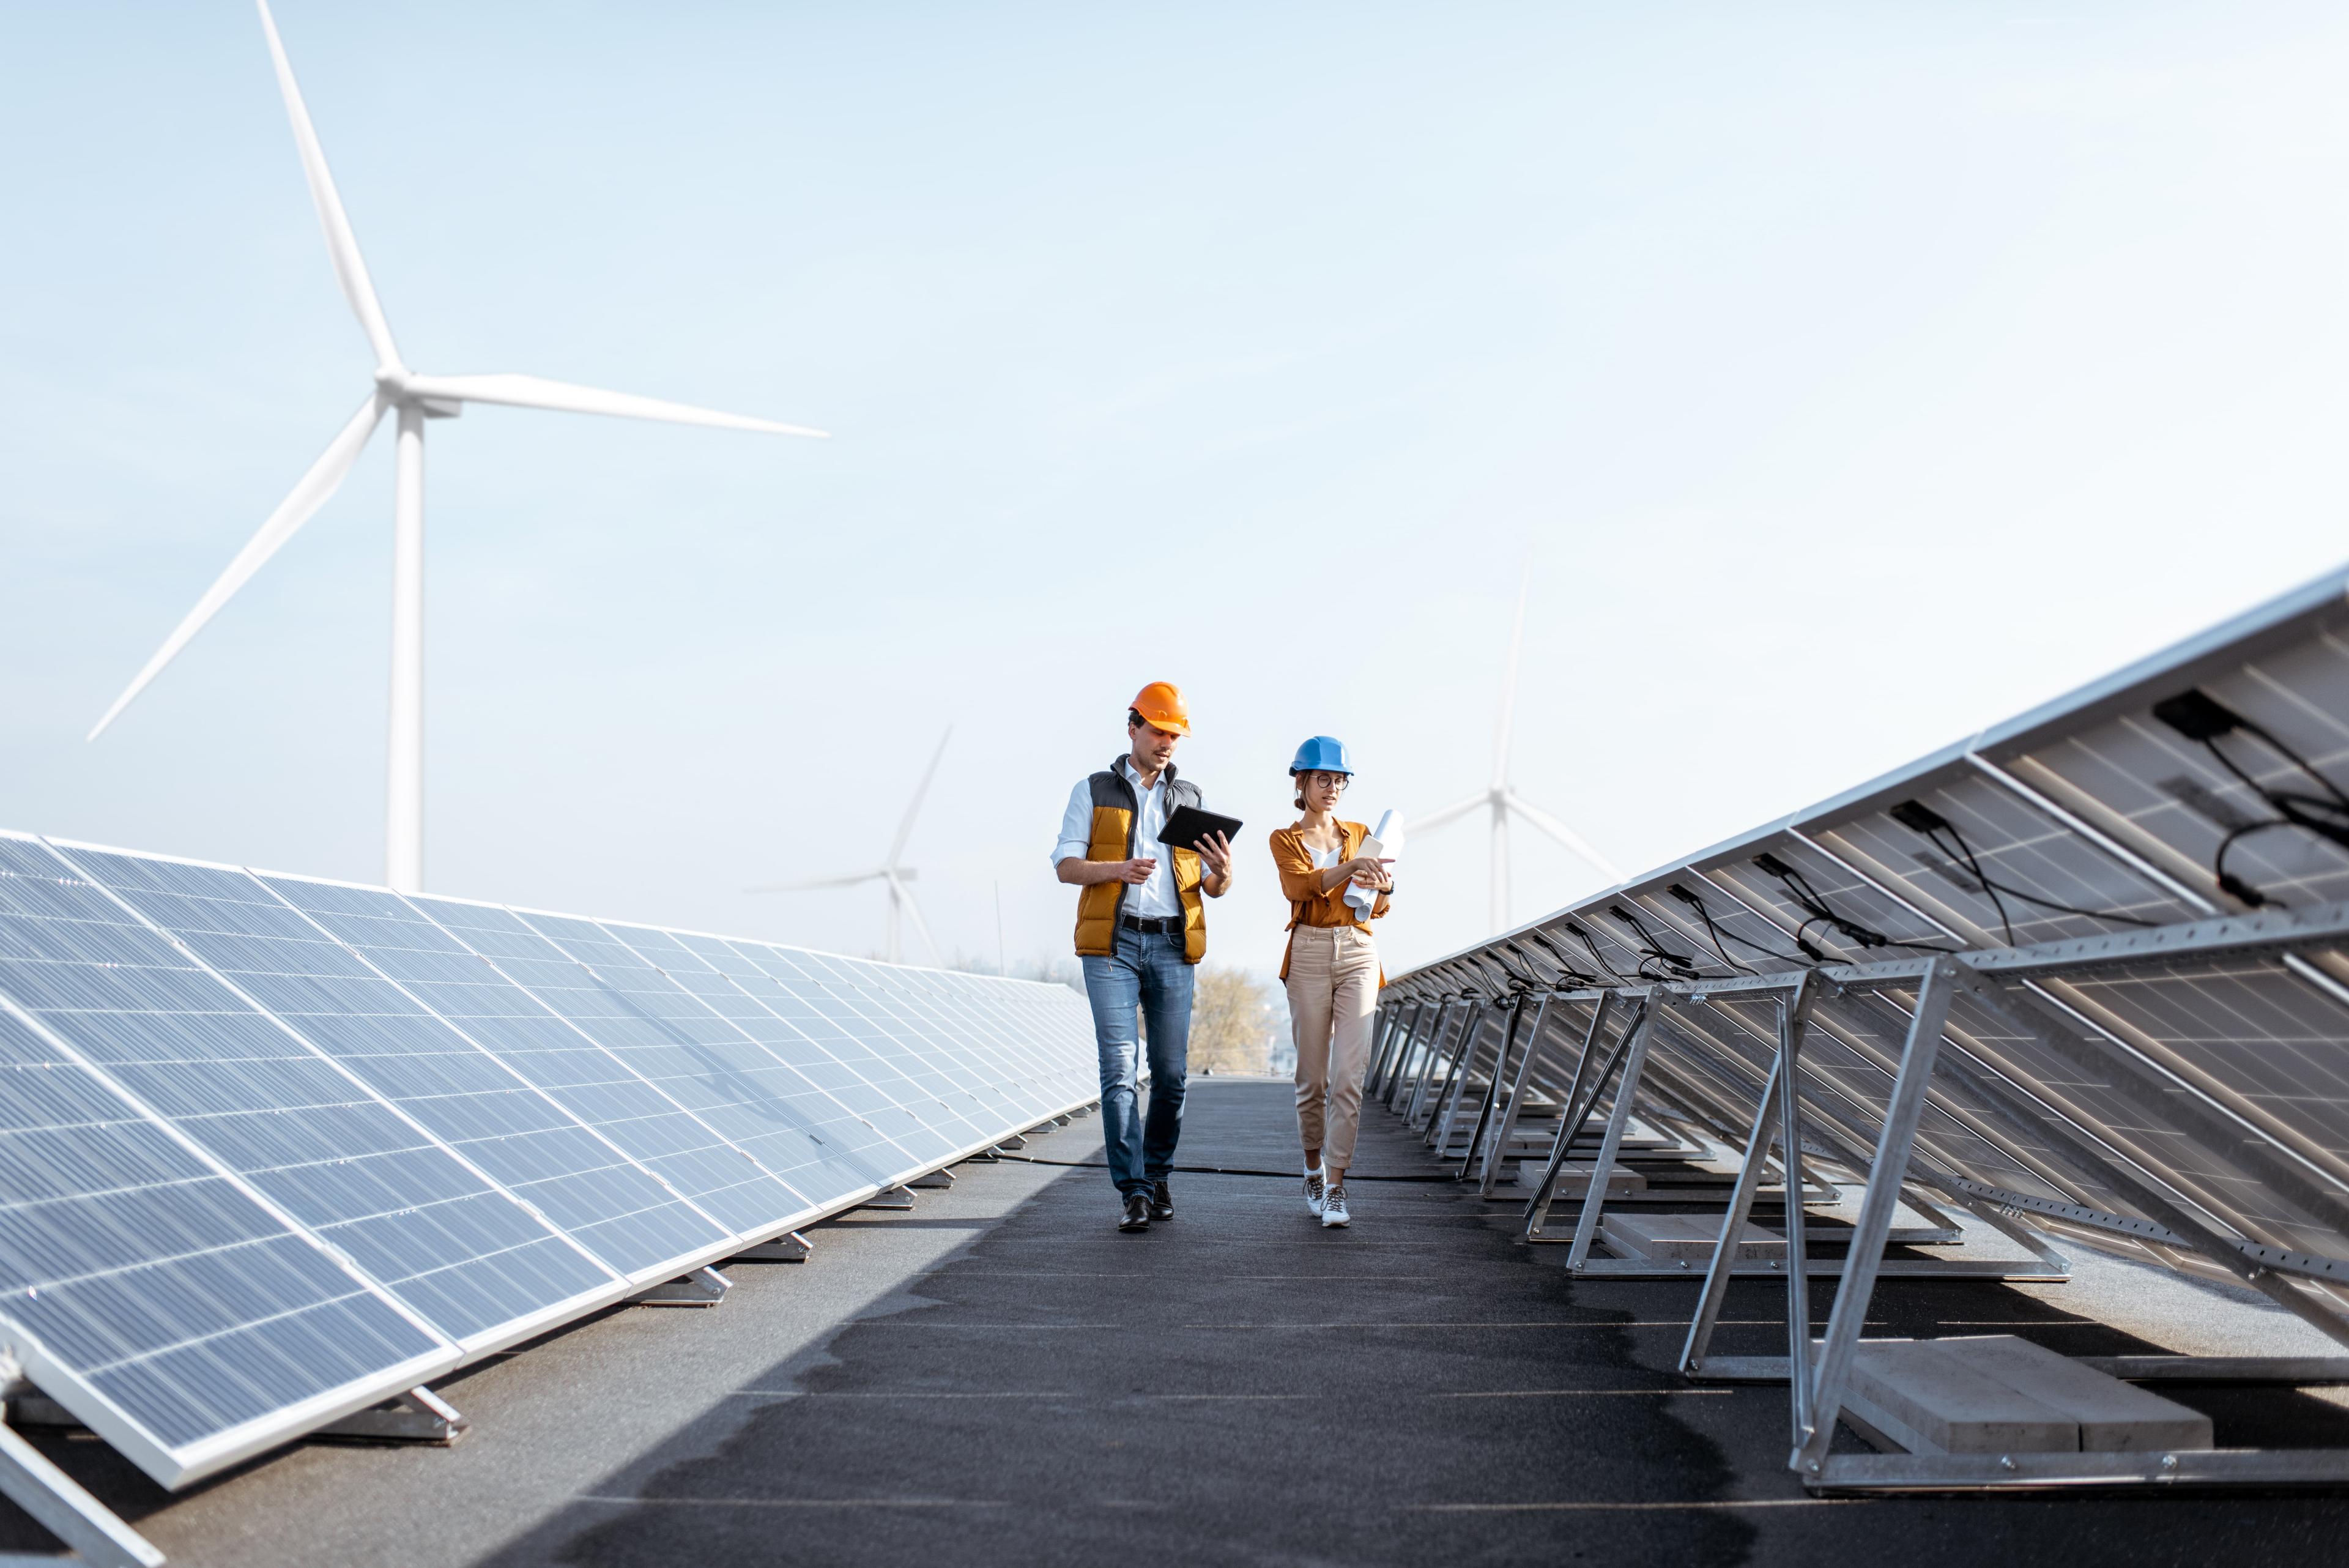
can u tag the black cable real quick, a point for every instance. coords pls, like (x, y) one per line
(2202, 718)
(1808, 899)
(1923, 819)
(1585, 936)
(2242, 890)
(1678, 966)
(1567, 972)
(1711, 931)
(1810, 955)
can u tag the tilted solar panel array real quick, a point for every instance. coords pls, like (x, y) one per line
(274, 1148)
(2185, 1079)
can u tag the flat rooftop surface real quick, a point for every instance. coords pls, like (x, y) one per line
(1001, 1377)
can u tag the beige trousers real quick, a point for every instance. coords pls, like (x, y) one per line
(1333, 990)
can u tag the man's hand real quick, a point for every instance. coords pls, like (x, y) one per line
(1079, 872)
(1217, 851)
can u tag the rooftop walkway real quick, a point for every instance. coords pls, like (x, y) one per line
(1001, 1377)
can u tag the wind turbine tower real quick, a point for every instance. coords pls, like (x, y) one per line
(1500, 799)
(414, 398)
(892, 872)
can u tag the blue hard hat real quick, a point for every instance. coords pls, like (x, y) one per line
(1322, 753)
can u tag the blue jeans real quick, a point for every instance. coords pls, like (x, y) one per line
(1143, 969)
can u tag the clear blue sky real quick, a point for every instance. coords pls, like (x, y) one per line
(1858, 374)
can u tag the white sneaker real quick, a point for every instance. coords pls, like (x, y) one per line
(1333, 1208)
(1313, 1191)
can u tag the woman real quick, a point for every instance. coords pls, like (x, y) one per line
(1331, 968)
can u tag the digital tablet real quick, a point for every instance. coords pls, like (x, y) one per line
(1189, 825)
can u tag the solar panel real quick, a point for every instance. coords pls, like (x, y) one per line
(175, 1310)
(978, 1085)
(1017, 1073)
(2133, 904)
(715, 1069)
(249, 1092)
(273, 1148)
(842, 1107)
(470, 963)
(815, 996)
(516, 1136)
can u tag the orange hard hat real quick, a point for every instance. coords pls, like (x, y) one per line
(1161, 702)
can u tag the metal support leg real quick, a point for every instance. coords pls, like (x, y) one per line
(703, 1287)
(1384, 1071)
(1414, 1066)
(894, 1197)
(1390, 1027)
(1456, 1089)
(791, 1247)
(1794, 1017)
(1627, 1089)
(935, 1180)
(1497, 1147)
(1741, 1204)
(419, 1415)
(1579, 1107)
(1406, 1085)
(1472, 1015)
(1867, 1237)
(1493, 1085)
(87, 1526)
(1439, 1101)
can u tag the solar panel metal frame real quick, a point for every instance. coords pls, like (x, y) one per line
(2097, 994)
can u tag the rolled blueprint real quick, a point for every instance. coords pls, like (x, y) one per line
(1384, 844)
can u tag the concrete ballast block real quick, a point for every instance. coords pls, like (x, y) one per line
(2114, 1417)
(1930, 1401)
(1690, 1237)
(1574, 1180)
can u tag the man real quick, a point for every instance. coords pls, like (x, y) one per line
(1141, 929)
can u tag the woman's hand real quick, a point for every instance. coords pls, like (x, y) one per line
(1366, 871)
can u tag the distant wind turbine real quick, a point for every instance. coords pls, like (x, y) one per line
(1501, 799)
(415, 398)
(892, 871)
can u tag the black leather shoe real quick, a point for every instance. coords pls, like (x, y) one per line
(1137, 1213)
(1161, 1199)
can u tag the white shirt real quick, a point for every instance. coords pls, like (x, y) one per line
(1156, 898)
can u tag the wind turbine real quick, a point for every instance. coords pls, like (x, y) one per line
(415, 398)
(893, 871)
(1500, 799)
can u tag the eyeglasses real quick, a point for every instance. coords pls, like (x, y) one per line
(1331, 781)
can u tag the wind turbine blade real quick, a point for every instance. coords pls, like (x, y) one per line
(905, 828)
(342, 246)
(1509, 679)
(858, 880)
(905, 898)
(325, 477)
(1564, 834)
(538, 392)
(1448, 816)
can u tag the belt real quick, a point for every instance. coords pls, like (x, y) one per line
(1162, 925)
